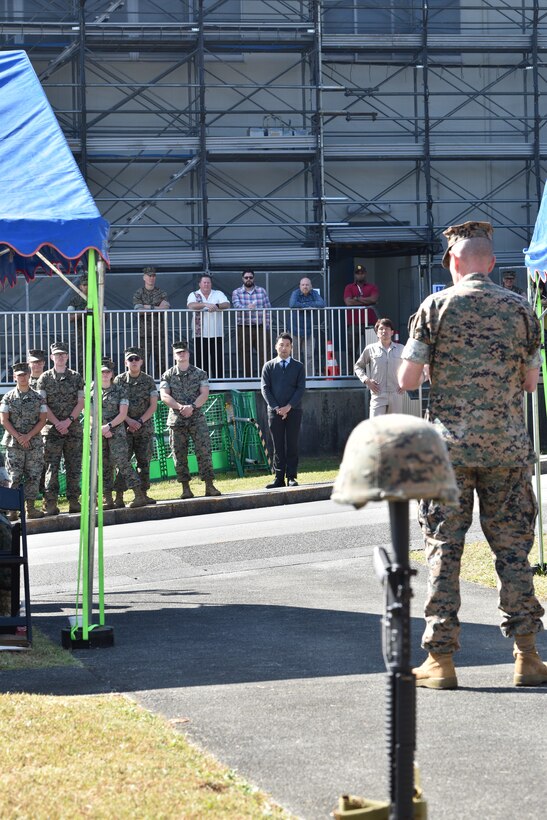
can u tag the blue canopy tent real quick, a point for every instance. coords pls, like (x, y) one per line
(48, 221)
(535, 258)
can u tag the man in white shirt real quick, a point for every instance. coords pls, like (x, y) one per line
(208, 326)
(377, 368)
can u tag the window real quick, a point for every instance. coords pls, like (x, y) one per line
(388, 16)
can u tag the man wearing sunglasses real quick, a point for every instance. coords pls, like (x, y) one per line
(142, 393)
(253, 322)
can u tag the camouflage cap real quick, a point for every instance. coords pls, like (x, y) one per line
(108, 364)
(133, 351)
(149, 270)
(467, 230)
(21, 367)
(395, 458)
(180, 346)
(508, 274)
(36, 355)
(59, 347)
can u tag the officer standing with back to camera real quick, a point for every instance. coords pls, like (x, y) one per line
(481, 343)
(185, 389)
(63, 391)
(142, 394)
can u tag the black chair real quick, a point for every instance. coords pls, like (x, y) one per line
(13, 557)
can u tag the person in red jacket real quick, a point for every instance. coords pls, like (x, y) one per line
(362, 295)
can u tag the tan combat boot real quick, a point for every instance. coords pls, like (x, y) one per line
(13, 515)
(186, 491)
(437, 672)
(119, 502)
(108, 501)
(210, 489)
(140, 499)
(529, 669)
(49, 506)
(32, 512)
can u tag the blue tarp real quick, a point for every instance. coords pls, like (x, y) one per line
(45, 203)
(535, 257)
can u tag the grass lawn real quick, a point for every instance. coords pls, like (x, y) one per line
(106, 757)
(478, 566)
(315, 470)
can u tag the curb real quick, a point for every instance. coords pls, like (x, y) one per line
(64, 522)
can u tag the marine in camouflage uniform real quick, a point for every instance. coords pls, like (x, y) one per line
(115, 455)
(23, 413)
(63, 391)
(481, 343)
(37, 361)
(185, 388)
(151, 301)
(141, 390)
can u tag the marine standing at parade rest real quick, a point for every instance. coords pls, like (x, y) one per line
(481, 343)
(282, 386)
(63, 391)
(115, 456)
(23, 413)
(142, 393)
(185, 389)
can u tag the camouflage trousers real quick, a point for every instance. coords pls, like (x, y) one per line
(508, 512)
(116, 456)
(69, 447)
(25, 466)
(139, 444)
(196, 429)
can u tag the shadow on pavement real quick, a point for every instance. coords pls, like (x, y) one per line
(167, 639)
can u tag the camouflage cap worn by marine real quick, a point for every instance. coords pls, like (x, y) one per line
(180, 346)
(21, 367)
(59, 347)
(133, 351)
(395, 458)
(36, 355)
(467, 230)
(108, 364)
(149, 269)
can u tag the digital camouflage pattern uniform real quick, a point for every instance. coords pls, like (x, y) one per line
(184, 386)
(479, 340)
(61, 392)
(139, 391)
(115, 453)
(24, 465)
(151, 325)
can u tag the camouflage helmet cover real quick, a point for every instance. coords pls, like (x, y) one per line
(395, 458)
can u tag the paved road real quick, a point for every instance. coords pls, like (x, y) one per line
(262, 630)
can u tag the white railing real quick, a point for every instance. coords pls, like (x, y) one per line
(322, 340)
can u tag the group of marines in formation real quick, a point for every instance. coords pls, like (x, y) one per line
(42, 425)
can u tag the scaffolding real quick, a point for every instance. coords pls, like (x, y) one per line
(218, 134)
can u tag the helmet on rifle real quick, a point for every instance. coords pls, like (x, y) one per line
(395, 458)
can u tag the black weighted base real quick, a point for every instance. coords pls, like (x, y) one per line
(98, 638)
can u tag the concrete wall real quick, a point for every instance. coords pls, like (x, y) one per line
(329, 418)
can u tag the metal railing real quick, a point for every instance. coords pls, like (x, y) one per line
(323, 340)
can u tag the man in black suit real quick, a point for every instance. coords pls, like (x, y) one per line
(283, 384)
